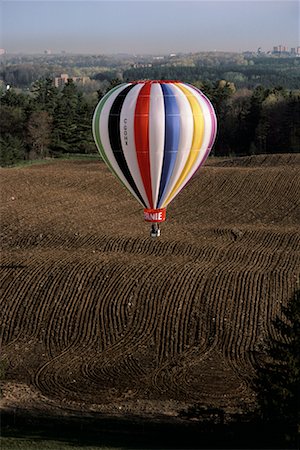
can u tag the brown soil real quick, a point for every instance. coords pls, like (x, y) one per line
(97, 316)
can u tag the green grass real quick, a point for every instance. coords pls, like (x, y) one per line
(11, 443)
(78, 156)
(25, 163)
(62, 157)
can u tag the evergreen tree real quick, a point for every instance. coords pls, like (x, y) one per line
(278, 381)
(12, 120)
(11, 98)
(12, 130)
(64, 124)
(45, 95)
(12, 150)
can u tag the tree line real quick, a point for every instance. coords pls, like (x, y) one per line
(254, 121)
(267, 72)
(245, 71)
(50, 121)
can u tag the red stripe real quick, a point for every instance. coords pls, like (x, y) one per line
(141, 136)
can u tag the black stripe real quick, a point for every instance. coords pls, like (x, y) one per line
(115, 138)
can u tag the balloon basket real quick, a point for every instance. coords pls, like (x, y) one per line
(155, 231)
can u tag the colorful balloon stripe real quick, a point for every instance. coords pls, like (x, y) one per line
(141, 135)
(100, 129)
(196, 143)
(172, 133)
(154, 135)
(115, 138)
(209, 140)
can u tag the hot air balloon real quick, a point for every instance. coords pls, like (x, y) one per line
(154, 135)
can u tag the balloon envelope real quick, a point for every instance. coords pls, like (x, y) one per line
(154, 135)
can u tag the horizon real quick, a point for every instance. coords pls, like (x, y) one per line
(147, 28)
(135, 55)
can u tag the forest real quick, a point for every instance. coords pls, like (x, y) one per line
(244, 70)
(255, 115)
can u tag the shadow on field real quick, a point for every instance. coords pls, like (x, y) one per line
(137, 433)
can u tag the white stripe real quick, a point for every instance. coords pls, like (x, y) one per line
(95, 125)
(127, 138)
(156, 137)
(104, 133)
(185, 139)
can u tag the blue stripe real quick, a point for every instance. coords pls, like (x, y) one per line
(172, 135)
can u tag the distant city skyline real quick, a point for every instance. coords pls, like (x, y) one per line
(147, 27)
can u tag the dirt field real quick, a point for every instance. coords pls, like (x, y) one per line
(97, 316)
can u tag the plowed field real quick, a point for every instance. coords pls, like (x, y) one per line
(96, 315)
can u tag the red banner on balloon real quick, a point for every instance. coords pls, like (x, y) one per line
(155, 215)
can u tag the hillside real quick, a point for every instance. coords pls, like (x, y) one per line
(96, 316)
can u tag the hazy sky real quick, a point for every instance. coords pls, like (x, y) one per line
(147, 26)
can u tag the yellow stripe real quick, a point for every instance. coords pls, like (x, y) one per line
(197, 139)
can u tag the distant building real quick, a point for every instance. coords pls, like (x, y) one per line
(2, 51)
(62, 80)
(138, 65)
(47, 52)
(280, 49)
(295, 51)
(64, 77)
